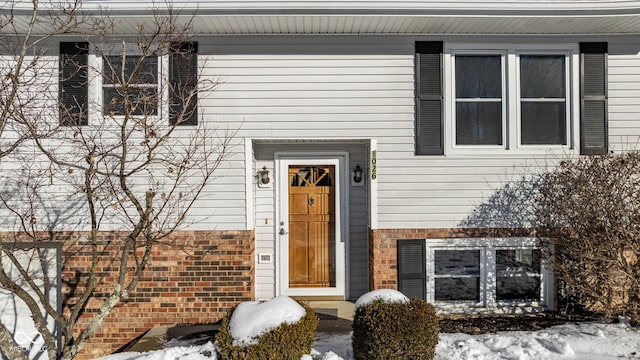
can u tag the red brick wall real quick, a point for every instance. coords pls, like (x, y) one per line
(383, 262)
(195, 278)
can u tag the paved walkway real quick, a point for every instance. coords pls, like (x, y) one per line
(335, 317)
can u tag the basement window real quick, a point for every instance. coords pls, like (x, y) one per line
(486, 272)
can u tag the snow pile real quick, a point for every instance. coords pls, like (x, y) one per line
(252, 319)
(586, 341)
(384, 295)
(202, 352)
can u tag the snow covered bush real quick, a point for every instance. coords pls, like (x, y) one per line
(589, 217)
(391, 327)
(278, 329)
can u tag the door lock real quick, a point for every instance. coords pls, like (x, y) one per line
(282, 232)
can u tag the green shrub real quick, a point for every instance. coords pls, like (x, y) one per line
(286, 342)
(395, 331)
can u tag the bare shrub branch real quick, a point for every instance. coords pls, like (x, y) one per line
(589, 211)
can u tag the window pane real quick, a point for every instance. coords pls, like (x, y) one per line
(144, 101)
(518, 260)
(518, 274)
(518, 288)
(543, 123)
(457, 262)
(146, 73)
(478, 76)
(542, 76)
(450, 289)
(479, 123)
(138, 70)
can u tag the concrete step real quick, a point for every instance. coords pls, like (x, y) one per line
(335, 317)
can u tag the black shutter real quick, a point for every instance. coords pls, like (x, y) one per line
(593, 98)
(429, 128)
(73, 85)
(183, 80)
(412, 272)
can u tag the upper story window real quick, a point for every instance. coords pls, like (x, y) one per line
(130, 85)
(93, 86)
(510, 98)
(479, 100)
(543, 99)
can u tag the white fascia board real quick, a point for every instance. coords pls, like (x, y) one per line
(364, 7)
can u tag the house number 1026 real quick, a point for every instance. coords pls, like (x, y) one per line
(374, 170)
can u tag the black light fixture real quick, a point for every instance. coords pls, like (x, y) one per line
(263, 176)
(357, 174)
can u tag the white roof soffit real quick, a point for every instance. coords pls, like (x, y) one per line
(370, 17)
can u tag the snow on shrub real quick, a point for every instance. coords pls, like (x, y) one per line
(391, 327)
(278, 329)
(252, 319)
(382, 295)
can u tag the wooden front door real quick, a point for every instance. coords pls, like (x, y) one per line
(312, 226)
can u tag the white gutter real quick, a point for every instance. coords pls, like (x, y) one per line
(569, 8)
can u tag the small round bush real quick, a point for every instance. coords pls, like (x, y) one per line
(394, 331)
(286, 342)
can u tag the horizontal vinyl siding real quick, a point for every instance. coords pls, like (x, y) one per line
(313, 96)
(624, 97)
(324, 90)
(362, 88)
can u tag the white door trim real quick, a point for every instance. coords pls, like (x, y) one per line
(282, 162)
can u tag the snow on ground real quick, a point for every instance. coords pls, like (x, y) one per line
(585, 341)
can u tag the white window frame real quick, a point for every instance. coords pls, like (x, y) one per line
(567, 100)
(488, 276)
(503, 100)
(512, 144)
(432, 276)
(96, 82)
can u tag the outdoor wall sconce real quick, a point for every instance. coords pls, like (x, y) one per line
(356, 176)
(263, 177)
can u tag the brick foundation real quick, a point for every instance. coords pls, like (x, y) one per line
(196, 279)
(383, 249)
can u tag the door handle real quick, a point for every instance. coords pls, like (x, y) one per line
(282, 232)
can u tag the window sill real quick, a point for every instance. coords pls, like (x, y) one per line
(476, 152)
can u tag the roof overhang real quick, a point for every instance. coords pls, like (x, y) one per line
(223, 17)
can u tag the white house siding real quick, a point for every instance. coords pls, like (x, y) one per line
(350, 87)
(624, 95)
(345, 87)
(222, 204)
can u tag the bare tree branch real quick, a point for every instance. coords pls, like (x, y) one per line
(136, 168)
